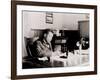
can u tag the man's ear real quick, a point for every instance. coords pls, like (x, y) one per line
(44, 35)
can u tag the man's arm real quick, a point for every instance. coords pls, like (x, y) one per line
(42, 50)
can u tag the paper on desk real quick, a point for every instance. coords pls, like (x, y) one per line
(43, 58)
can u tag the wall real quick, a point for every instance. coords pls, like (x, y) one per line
(71, 20)
(36, 20)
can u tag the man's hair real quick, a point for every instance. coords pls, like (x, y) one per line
(46, 31)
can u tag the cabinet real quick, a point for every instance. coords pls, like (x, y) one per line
(84, 28)
(67, 40)
(84, 33)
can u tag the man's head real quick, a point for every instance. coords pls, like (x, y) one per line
(48, 35)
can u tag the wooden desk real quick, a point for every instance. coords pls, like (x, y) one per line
(57, 61)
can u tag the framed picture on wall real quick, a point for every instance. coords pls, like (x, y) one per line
(53, 39)
(49, 17)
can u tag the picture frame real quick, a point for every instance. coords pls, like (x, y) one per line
(17, 8)
(49, 17)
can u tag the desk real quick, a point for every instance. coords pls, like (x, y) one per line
(57, 61)
(75, 59)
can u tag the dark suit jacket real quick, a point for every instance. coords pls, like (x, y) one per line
(40, 48)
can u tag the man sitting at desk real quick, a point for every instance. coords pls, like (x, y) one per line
(41, 48)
